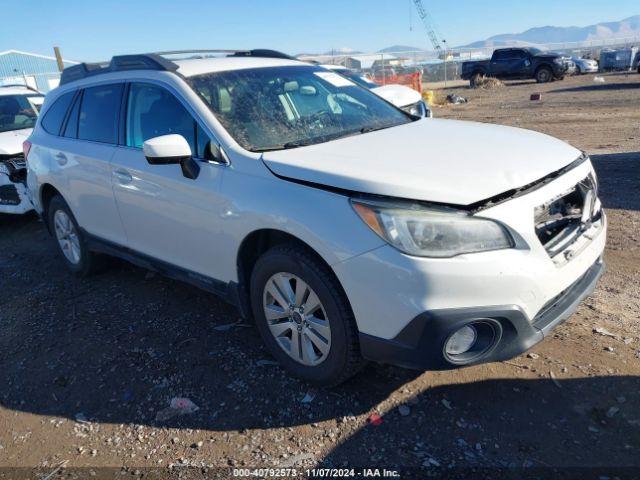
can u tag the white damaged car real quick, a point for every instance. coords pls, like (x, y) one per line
(347, 229)
(399, 95)
(19, 107)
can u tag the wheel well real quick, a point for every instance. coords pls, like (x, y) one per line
(545, 66)
(252, 247)
(47, 192)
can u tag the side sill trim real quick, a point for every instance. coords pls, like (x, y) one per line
(225, 291)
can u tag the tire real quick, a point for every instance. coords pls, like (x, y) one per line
(544, 75)
(77, 256)
(338, 356)
(475, 79)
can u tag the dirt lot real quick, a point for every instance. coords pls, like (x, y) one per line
(86, 365)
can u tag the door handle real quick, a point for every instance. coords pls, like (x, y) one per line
(61, 158)
(123, 177)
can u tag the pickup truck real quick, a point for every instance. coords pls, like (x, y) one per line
(519, 63)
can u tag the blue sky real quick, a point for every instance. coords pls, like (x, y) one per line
(95, 30)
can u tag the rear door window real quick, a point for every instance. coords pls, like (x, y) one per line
(54, 116)
(502, 55)
(98, 120)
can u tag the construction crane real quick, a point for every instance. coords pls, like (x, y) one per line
(428, 25)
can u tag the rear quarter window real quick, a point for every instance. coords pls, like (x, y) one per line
(54, 116)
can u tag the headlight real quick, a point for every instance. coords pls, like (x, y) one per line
(431, 232)
(418, 109)
(559, 61)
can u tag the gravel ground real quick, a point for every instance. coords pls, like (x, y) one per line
(86, 365)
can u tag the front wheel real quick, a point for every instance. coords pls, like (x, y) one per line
(544, 75)
(304, 317)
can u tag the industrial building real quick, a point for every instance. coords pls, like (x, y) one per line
(37, 71)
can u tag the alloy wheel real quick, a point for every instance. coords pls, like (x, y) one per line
(297, 319)
(67, 236)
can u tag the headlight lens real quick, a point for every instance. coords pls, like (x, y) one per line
(417, 109)
(431, 232)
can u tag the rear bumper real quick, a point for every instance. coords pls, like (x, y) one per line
(420, 345)
(589, 69)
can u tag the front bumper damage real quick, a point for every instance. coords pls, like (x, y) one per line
(14, 195)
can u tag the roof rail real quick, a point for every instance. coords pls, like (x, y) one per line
(20, 85)
(260, 52)
(154, 61)
(148, 61)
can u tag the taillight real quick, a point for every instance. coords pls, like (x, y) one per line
(26, 148)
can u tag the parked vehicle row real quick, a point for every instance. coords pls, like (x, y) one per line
(519, 63)
(401, 96)
(585, 65)
(348, 229)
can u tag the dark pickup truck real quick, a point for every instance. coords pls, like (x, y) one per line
(519, 63)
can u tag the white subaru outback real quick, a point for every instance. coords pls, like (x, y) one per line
(347, 228)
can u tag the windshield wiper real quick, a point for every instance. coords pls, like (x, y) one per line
(324, 138)
(375, 129)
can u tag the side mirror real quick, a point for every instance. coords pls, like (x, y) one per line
(171, 150)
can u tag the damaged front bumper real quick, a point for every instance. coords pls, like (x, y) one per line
(14, 195)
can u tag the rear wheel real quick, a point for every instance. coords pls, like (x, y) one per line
(544, 75)
(71, 242)
(476, 78)
(303, 316)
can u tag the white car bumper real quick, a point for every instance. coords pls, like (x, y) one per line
(398, 299)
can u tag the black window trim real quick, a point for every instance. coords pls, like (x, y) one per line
(77, 98)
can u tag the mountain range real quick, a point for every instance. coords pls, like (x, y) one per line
(629, 27)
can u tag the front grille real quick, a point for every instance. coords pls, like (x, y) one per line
(9, 195)
(16, 167)
(560, 221)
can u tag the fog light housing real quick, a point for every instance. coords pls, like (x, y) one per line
(472, 342)
(461, 341)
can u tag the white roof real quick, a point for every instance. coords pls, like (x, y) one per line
(199, 66)
(331, 66)
(17, 90)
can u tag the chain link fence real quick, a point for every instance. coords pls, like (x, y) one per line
(446, 66)
(398, 66)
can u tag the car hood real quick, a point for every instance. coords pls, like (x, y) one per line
(443, 161)
(11, 142)
(399, 95)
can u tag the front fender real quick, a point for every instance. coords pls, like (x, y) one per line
(323, 220)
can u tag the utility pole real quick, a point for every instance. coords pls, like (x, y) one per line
(56, 51)
(445, 63)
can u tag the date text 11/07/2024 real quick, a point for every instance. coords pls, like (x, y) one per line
(316, 473)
